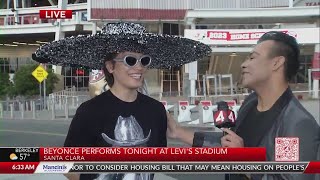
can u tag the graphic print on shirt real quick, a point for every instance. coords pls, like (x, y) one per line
(127, 133)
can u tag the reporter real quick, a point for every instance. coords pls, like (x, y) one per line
(271, 111)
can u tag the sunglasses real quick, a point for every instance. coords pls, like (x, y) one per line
(131, 61)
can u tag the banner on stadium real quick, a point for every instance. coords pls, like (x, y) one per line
(316, 65)
(248, 36)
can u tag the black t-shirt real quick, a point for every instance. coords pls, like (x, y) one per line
(256, 124)
(252, 125)
(100, 115)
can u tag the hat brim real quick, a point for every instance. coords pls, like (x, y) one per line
(129, 143)
(89, 51)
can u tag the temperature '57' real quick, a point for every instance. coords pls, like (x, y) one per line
(23, 156)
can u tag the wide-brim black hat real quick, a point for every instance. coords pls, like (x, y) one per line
(89, 51)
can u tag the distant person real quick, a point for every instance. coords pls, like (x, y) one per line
(121, 116)
(271, 111)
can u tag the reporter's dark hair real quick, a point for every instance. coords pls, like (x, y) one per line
(109, 76)
(286, 46)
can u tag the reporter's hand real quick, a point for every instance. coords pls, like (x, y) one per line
(231, 139)
(172, 127)
(175, 131)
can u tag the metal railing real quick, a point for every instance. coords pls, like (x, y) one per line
(63, 104)
(32, 110)
(58, 106)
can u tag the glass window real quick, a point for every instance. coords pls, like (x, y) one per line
(171, 29)
(302, 75)
(12, 64)
(4, 65)
(76, 77)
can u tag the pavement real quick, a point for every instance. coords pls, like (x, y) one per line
(51, 133)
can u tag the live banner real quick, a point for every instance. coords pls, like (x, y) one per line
(177, 160)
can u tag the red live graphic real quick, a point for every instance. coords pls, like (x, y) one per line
(55, 14)
(152, 154)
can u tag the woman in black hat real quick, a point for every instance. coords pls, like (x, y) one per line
(121, 116)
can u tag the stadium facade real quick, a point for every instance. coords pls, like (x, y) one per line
(230, 27)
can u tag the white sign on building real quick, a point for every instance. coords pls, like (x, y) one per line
(249, 36)
(307, 3)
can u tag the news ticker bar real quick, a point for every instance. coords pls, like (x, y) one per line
(131, 154)
(164, 167)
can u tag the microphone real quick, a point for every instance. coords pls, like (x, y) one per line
(224, 117)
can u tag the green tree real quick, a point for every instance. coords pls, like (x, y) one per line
(26, 85)
(5, 84)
